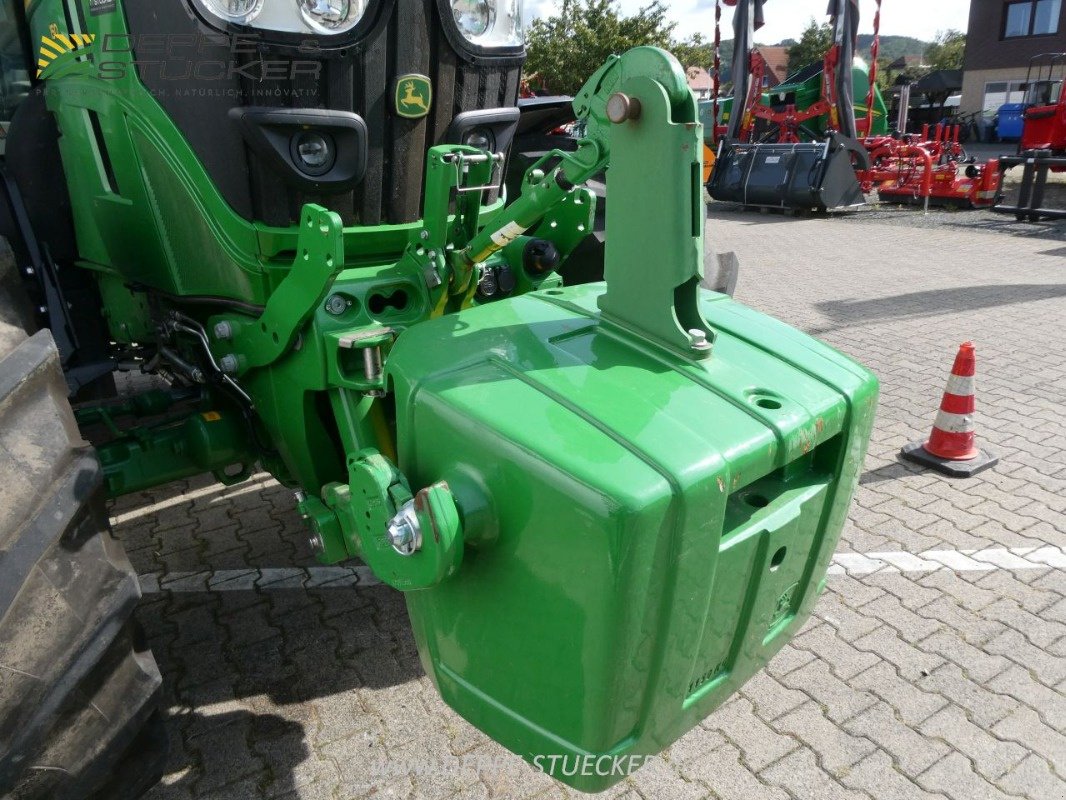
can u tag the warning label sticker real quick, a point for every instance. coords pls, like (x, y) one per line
(507, 234)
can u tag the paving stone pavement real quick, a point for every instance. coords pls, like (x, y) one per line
(906, 683)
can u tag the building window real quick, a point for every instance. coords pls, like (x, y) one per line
(1031, 18)
(999, 92)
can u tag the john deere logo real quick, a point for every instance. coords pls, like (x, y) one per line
(414, 94)
(57, 47)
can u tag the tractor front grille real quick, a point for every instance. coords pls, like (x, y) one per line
(407, 37)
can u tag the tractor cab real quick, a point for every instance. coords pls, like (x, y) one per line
(1043, 93)
(1045, 109)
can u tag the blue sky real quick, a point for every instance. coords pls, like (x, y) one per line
(787, 18)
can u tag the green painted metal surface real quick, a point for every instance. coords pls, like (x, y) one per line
(652, 526)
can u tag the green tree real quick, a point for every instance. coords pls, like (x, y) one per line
(947, 50)
(812, 46)
(565, 49)
(694, 51)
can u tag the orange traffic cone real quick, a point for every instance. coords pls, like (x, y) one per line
(951, 447)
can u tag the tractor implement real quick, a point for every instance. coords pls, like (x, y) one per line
(607, 505)
(1030, 203)
(801, 153)
(815, 110)
(1043, 144)
(930, 168)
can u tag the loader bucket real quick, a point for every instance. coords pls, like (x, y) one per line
(807, 175)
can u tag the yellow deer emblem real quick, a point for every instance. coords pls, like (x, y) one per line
(413, 96)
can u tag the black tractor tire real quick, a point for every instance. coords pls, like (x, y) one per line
(79, 690)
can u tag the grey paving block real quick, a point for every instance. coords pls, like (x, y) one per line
(991, 755)
(1033, 778)
(1025, 726)
(760, 743)
(836, 747)
(800, 774)
(876, 777)
(729, 779)
(910, 750)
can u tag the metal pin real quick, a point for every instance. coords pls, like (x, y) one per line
(372, 364)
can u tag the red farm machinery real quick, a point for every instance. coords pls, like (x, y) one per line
(822, 150)
(1043, 144)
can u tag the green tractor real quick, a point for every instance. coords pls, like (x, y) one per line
(607, 504)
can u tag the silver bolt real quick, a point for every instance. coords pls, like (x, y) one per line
(699, 339)
(621, 107)
(42, 310)
(424, 235)
(299, 496)
(229, 363)
(404, 532)
(336, 304)
(223, 330)
(30, 272)
(314, 541)
(372, 364)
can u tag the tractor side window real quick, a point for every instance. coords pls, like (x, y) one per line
(14, 69)
(1043, 93)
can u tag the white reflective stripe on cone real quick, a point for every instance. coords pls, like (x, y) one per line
(954, 423)
(960, 385)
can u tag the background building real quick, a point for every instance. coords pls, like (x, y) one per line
(700, 82)
(1003, 35)
(776, 58)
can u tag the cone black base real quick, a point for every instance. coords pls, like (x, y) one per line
(917, 453)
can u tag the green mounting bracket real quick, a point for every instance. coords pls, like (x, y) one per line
(357, 519)
(354, 358)
(654, 251)
(319, 258)
(570, 220)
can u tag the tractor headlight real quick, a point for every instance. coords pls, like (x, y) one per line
(314, 153)
(489, 23)
(331, 16)
(239, 12)
(481, 138)
(302, 17)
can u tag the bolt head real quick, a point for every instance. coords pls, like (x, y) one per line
(314, 541)
(622, 107)
(229, 363)
(404, 530)
(699, 339)
(336, 304)
(223, 330)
